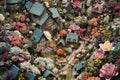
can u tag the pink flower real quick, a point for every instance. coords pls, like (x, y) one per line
(20, 26)
(99, 54)
(76, 3)
(108, 71)
(72, 27)
(64, 1)
(22, 18)
(15, 41)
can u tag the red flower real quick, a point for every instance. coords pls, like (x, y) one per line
(80, 32)
(76, 3)
(6, 55)
(15, 41)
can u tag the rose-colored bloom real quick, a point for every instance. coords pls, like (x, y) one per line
(20, 26)
(15, 41)
(99, 54)
(76, 3)
(80, 32)
(108, 71)
(22, 18)
(93, 78)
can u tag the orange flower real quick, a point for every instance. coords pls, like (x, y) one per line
(93, 78)
(52, 45)
(63, 33)
(85, 76)
(93, 22)
(60, 52)
(95, 32)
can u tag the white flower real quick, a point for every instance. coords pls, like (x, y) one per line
(2, 18)
(34, 69)
(25, 65)
(50, 66)
(17, 33)
(48, 60)
(115, 24)
(16, 50)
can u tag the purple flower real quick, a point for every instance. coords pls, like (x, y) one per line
(99, 54)
(108, 71)
(7, 75)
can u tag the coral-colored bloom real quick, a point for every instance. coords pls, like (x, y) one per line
(108, 71)
(60, 52)
(15, 41)
(99, 54)
(63, 33)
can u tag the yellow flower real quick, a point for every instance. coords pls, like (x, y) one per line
(2, 18)
(107, 46)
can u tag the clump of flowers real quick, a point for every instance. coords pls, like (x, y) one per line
(108, 70)
(29, 67)
(15, 50)
(46, 62)
(93, 66)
